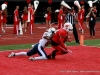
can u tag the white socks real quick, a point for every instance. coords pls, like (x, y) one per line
(21, 54)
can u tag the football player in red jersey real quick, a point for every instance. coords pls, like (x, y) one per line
(58, 40)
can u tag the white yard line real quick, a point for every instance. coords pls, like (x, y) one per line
(92, 46)
(14, 50)
(48, 47)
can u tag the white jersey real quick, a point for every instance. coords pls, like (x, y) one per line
(44, 42)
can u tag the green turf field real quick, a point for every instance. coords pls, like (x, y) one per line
(28, 46)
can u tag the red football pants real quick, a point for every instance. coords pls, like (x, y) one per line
(60, 49)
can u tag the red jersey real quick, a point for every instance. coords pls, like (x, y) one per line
(60, 36)
(81, 14)
(16, 14)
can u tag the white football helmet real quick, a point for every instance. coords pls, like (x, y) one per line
(51, 30)
(68, 27)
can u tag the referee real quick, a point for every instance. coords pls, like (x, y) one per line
(71, 17)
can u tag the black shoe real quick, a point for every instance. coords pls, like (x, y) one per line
(54, 54)
(77, 42)
(49, 56)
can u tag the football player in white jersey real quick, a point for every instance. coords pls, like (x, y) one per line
(38, 48)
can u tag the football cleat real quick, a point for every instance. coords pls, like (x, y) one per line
(31, 58)
(52, 55)
(49, 56)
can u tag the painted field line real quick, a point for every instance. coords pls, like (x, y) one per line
(41, 27)
(92, 46)
(50, 47)
(9, 27)
(13, 50)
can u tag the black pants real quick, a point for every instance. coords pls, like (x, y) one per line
(37, 50)
(75, 33)
(92, 26)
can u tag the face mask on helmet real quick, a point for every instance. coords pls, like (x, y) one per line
(68, 27)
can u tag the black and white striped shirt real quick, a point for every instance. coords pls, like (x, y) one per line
(69, 18)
